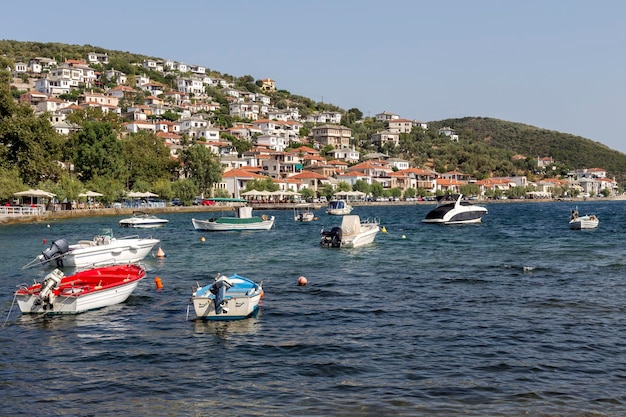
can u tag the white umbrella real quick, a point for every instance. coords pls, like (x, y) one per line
(90, 194)
(252, 193)
(34, 193)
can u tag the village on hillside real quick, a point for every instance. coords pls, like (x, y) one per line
(272, 131)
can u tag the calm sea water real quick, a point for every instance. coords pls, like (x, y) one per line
(515, 316)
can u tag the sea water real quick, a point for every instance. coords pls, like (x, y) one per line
(518, 315)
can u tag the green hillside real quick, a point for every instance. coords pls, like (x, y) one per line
(485, 147)
(530, 141)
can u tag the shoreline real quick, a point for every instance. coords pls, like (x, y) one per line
(70, 214)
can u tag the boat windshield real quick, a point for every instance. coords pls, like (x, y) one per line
(106, 231)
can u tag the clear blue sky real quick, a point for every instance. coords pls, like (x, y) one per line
(554, 64)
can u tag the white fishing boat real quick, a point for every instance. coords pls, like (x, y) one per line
(303, 212)
(452, 209)
(351, 234)
(228, 298)
(143, 220)
(103, 249)
(338, 207)
(83, 291)
(244, 220)
(588, 221)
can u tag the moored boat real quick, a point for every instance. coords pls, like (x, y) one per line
(228, 298)
(588, 221)
(303, 213)
(452, 209)
(338, 207)
(103, 249)
(244, 220)
(83, 291)
(351, 234)
(143, 220)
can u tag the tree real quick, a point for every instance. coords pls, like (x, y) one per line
(10, 183)
(202, 166)
(377, 189)
(327, 191)
(343, 186)
(98, 152)
(30, 142)
(410, 193)
(186, 190)
(307, 193)
(264, 184)
(163, 187)
(147, 159)
(361, 185)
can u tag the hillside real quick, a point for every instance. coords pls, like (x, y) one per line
(530, 141)
(485, 147)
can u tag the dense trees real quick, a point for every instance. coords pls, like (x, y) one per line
(201, 165)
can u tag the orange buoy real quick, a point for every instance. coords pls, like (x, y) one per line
(302, 281)
(158, 282)
(160, 253)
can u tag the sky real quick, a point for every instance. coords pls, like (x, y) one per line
(554, 64)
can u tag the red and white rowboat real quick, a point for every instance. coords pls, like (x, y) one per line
(85, 290)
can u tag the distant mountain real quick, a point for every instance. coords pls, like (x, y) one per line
(530, 141)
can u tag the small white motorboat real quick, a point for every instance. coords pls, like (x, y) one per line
(83, 291)
(303, 213)
(452, 209)
(103, 249)
(143, 220)
(588, 221)
(228, 298)
(338, 207)
(351, 234)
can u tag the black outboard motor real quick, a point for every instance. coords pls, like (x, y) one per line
(55, 251)
(218, 289)
(332, 239)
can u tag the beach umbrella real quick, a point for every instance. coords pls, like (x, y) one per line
(34, 194)
(251, 193)
(90, 194)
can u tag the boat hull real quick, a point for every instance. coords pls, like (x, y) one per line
(223, 224)
(458, 212)
(583, 223)
(338, 208)
(351, 234)
(367, 235)
(143, 224)
(241, 301)
(84, 291)
(119, 251)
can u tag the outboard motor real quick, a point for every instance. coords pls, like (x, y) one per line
(333, 238)
(50, 282)
(218, 289)
(55, 251)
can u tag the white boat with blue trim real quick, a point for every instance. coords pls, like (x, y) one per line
(228, 298)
